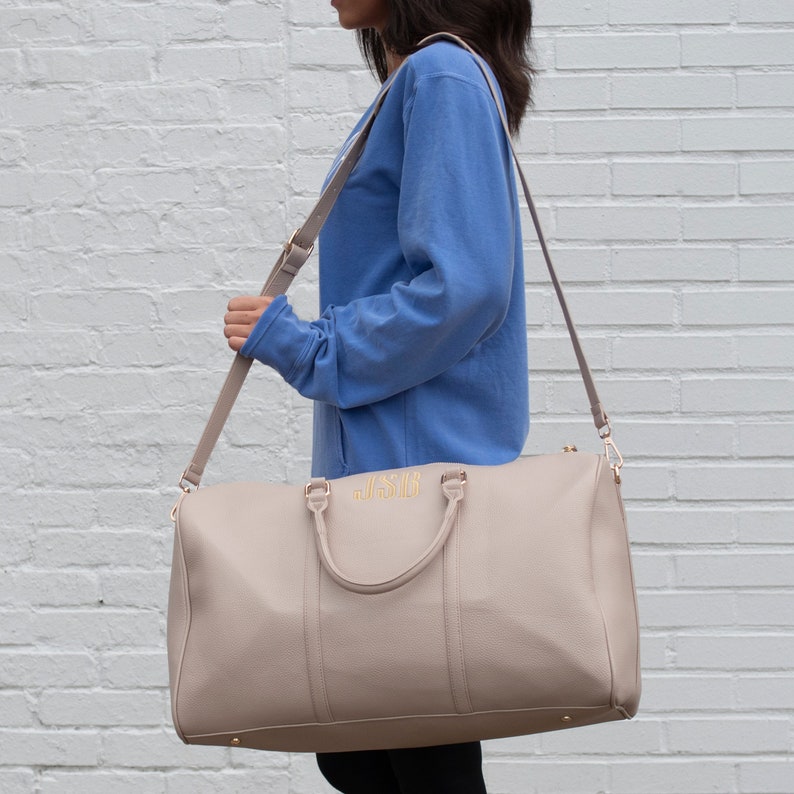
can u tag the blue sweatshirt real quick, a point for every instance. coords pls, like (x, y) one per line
(419, 354)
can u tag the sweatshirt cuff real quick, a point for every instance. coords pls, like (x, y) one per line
(278, 338)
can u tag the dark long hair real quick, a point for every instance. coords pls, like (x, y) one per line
(498, 29)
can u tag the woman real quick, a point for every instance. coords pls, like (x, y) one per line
(419, 354)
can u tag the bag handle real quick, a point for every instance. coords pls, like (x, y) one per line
(317, 493)
(300, 245)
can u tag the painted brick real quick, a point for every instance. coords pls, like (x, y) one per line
(764, 89)
(765, 11)
(234, 782)
(769, 651)
(138, 188)
(737, 49)
(676, 439)
(736, 483)
(678, 692)
(730, 395)
(576, 264)
(147, 104)
(766, 177)
(513, 777)
(674, 263)
(30, 24)
(17, 709)
(771, 692)
(240, 62)
(128, 23)
(326, 92)
(725, 569)
(13, 781)
(134, 669)
(618, 223)
(251, 21)
(331, 47)
(772, 777)
(100, 782)
(73, 229)
(114, 65)
(622, 395)
(11, 66)
(684, 524)
(570, 12)
(672, 91)
(96, 546)
(676, 12)
(30, 669)
(765, 609)
(52, 748)
(618, 135)
(765, 351)
(765, 264)
(555, 354)
(12, 147)
(738, 736)
(748, 307)
(197, 22)
(39, 106)
(673, 776)
(613, 739)
(651, 569)
(572, 93)
(566, 179)
(48, 588)
(738, 222)
(69, 628)
(162, 749)
(736, 134)
(144, 590)
(765, 439)
(676, 353)
(78, 708)
(650, 307)
(764, 525)
(536, 136)
(623, 51)
(673, 179)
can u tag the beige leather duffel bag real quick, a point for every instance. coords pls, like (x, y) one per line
(437, 604)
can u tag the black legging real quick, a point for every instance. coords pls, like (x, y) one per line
(446, 769)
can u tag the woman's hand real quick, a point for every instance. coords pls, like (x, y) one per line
(241, 317)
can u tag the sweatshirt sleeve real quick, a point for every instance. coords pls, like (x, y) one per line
(456, 227)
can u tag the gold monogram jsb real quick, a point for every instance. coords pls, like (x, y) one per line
(392, 486)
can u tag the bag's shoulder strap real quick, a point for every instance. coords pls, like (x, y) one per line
(299, 247)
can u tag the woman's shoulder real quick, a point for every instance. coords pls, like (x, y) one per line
(443, 58)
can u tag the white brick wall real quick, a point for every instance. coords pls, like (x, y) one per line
(152, 157)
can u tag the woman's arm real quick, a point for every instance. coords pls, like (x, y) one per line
(456, 226)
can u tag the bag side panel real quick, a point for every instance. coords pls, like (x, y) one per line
(245, 657)
(178, 623)
(614, 579)
(532, 631)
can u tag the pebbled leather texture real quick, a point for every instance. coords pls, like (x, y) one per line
(523, 620)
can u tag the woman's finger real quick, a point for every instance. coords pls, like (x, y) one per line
(242, 331)
(241, 318)
(247, 303)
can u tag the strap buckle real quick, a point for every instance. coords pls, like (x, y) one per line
(454, 474)
(290, 244)
(310, 486)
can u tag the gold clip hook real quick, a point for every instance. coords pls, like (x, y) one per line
(614, 457)
(185, 490)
